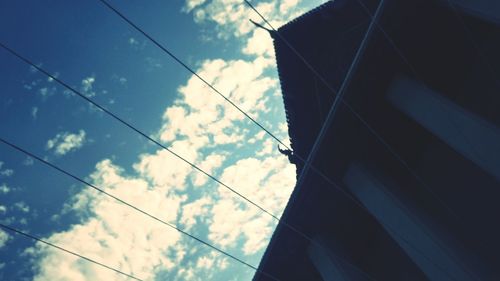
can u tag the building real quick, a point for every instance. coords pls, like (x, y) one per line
(410, 156)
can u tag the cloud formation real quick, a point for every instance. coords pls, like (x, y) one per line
(206, 130)
(231, 17)
(5, 172)
(163, 185)
(87, 87)
(34, 112)
(112, 232)
(4, 237)
(66, 142)
(4, 189)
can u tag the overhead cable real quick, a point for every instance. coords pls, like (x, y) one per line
(101, 190)
(129, 125)
(279, 220)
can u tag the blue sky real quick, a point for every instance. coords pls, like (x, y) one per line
(85, 45)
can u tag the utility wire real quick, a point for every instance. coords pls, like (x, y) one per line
(122, 121)
(279, 220)
(189, 69)
(14, 230)
(173, 56)
(203, 80)
(61, 170)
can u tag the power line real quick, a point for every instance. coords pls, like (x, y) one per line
(11, 229)
(122, 121)
(203, 80)
(179, 61)
(173, 56)
(163, 48)
(133, 207)
(279, 220)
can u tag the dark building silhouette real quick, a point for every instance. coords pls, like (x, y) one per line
(411, 155)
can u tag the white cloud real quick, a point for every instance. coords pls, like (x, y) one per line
(4, 189)
(133, 41)
(259, 44)
(269, 183)
(205, 262)
(286, 5)
(34, 112)
(28, 161)
(191, 4)
(7, 173)
(232, 16)
(3, 209)
(165, 170)
(22, 206)
(66, 142)
(152, 63)
(204, 129)
(88, 87)
(209, 165)
(114, 233)
(267, 147)
(196, 121)
(4, 237)
(232, 19)
(50, 79)
(197, 209)
(46, 92)
(119, 79)
(201, 112)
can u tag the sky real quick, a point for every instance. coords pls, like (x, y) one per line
(84, 44)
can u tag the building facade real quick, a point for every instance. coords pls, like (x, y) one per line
(393, 110)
